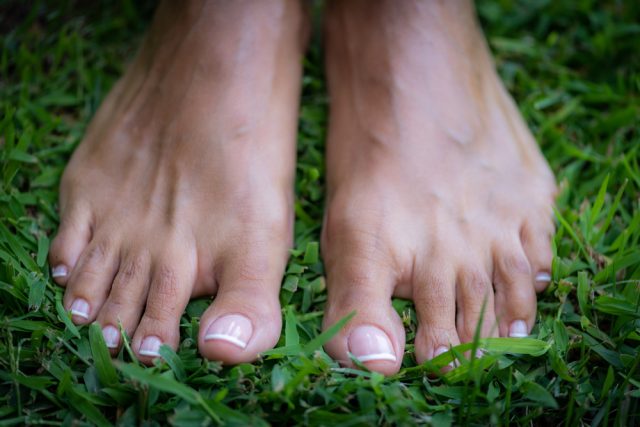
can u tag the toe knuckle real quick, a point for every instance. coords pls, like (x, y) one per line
(131, 269)
(477, 283)
(98, 252)
(166, 283)
(514, 263)
(112, 308)
(161, 308)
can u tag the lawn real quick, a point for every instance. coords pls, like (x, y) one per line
(574, 68)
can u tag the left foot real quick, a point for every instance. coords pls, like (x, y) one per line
(437, 190)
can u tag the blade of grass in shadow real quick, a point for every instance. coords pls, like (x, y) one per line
(65, 316)
(291, 336)
(565, 224)
(324, 337)
(311, 346)
(174, 362)
(168, 385)
(596, 209)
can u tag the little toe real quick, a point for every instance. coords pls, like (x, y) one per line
(169, 292)
(434, 296)
(536, 242)
(89, 285)
(126, 300)
(73, 236)
(375, 336)
(515, 298)
(244, 319)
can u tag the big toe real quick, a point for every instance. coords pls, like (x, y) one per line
(244, 319)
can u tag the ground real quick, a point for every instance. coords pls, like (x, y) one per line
(573, 68)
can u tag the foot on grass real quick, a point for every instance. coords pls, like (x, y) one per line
(182, 184)
(437, 190)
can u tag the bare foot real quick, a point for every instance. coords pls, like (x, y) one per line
(182, 185)
(437, 190)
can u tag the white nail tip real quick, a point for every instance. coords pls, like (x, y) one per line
(518, 335)
(543, 277)
(80, 314)
(149, 353)
(228, 338)
(60, 271)
(376, 356)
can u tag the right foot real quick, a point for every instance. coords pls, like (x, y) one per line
(182, 185)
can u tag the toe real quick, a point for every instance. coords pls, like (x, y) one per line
(91, 280)
(435, 301)
(171, 284)
(476, 311)
(536, 241)
(126, 300)
(515, 298)
(73, 236)
(244, 319)
(375, 336)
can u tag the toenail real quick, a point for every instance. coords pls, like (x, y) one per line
(518, 329)
(150, 346)
(232, 328)
(111, 336)
(80, 308)
(441, 350)
(59, 271)
(369, 343)
(543, 277)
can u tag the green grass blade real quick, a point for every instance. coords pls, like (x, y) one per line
(291, 336)
(324, 337)
(101, 357)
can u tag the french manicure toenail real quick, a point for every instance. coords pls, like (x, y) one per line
(150, 346)
(80, 308)
(369, 343)
(543, 277)
(518, 329)
(232, 328)
(440, 350)
(59, 271)
(111, 336)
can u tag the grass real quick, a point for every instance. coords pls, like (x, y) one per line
(574, 68)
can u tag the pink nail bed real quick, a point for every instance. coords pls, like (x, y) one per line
(368, 343)
(235, 329)
(80, 308)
